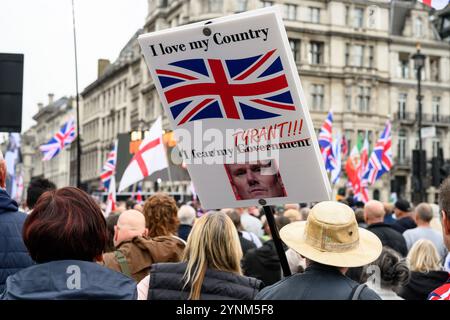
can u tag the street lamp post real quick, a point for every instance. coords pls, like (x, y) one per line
(419, 62)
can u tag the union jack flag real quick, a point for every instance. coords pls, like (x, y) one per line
(325, 138)
(250, 88)
(109, 168)
(62, 138)
(380, 160)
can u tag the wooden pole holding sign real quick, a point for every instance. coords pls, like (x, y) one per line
(276, 239)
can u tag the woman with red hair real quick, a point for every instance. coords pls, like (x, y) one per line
(66, 234)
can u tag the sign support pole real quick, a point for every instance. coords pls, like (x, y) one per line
(276, 239)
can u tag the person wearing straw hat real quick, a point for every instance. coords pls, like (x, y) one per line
(331, 242)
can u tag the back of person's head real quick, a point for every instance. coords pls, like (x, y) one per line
(424, 257)
(129, 204)
(160, 211)
(36, 188)
(424, 212)
(295, 206)
(235, 218)
(281, 221)
(305, 212)
(111, 222)
(394, 271)
(444, 197)
(293, 215)
(186, 215)
(65, 224)
(374, 211)
(213, 243)
(359, 215)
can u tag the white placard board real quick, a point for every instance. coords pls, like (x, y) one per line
(232, 93)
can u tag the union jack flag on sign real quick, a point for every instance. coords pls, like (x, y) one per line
(62, 138)
(109, 168)
(250, 88)
(380, 160)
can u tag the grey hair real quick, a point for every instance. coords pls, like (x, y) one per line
(186, 215)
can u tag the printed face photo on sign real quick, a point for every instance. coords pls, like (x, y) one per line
(255, 180)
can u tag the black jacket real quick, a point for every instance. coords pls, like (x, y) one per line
(263, 263)
(69, 279)
(13, 253)
(389, 237)
(318, 282)
(421, 284)
(166, 283)
(403, 224)
(246, 245)
(184, 230)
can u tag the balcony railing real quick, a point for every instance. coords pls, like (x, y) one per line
(402, 161)
(436, 119)
(405, 117)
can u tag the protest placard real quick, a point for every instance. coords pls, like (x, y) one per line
(232, 92)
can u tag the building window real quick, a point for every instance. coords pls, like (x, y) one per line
(358, 56)
(347, 54)
(358, 17)
(210, 6)
(371, 56)
(314, 14)
(266, 3)
(316, 52)
(290, 11)
(364, 99)
(348, 98)
(401, 148)
(348, 137)
(241, 5)
(317, 96)
(434, 68)
(418, 28)
(402, 105)
(436, 108)
(295, 47)
(403, 65)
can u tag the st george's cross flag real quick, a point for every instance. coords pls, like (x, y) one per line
(150, 157)
(62, 138)
(436, 4)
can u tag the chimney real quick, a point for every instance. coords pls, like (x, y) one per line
(50, 98)
(40, 106)
(102, 64)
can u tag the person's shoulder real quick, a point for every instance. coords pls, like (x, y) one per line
(368, 294)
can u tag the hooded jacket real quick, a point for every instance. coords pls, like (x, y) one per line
(69, 279)
(140, 253)
(421, 284)
(13, 253)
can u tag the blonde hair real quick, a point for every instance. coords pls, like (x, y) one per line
(424, 257)
(213, 243)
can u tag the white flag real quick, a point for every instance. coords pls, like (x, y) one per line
(111, 201)
(150, 157)
(337, 162)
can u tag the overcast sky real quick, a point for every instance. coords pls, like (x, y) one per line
(43, 31)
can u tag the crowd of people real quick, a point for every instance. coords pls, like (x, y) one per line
(64, 247)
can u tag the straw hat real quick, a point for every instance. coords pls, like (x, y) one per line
(331, 236)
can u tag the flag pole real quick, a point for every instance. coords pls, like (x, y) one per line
(77, 101)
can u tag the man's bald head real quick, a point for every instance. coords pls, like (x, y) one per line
(131, 224)
(373, 212)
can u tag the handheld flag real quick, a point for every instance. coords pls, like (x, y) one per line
(62, 138)
(325, 137)
(109, 168)
(336, 161)
(150, 157)
(111, 202)
(380, 160)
